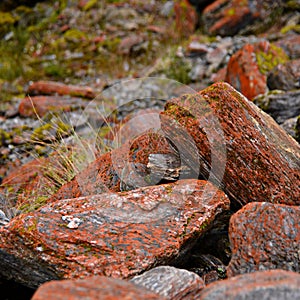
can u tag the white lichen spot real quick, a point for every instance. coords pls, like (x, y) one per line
(73, 222)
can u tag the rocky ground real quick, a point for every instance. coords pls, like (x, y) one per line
(149, 149)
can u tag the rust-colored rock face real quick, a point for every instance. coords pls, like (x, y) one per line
(51, 87)
(171, 282)
(274, 284)
(238, 145)
(93, 288)
(41, 105)
(245, 69)
(117, 235)
(264, 236)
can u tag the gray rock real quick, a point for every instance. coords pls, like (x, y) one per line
(280, 105)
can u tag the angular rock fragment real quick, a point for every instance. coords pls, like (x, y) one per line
(226, 138)
(52, 87)
(274, 284)
(93, 288)
(280, 105)
(117, 235)
(171, 282)
(264, 236)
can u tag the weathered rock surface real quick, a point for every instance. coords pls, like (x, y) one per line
(117, 235)
(171, 282)
(247, 68)
(274, 284)
(264, 236)
(52, 87)
(92, 288)
(226, 137)
(229, 17)
(41, 105)
(285, 76)
(280, 105)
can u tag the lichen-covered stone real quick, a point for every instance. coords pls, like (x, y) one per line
(228, 138)
(247, 68)
(264, 236)
(93, 288)
(171, 282)
(117, 235)
(274, 284)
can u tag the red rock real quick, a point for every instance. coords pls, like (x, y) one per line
(117, 170)
(116, 235)
(186, 17)
(51, 87)
(275, 285)
(93, 288)
(291, 45)
(228, 17)
(285, 76)
(264, 236)
(244, 144)
(171, 282)
(41, 105)
(247, 68)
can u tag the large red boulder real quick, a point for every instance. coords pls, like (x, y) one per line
(113, 234)
(230, 140)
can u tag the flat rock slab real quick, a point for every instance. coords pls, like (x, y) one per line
(274, 284)
(231, 141)
(118, 235)
(170, 282)
(264, 236)
(52, 87)
(41, 105)
(93, 288)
